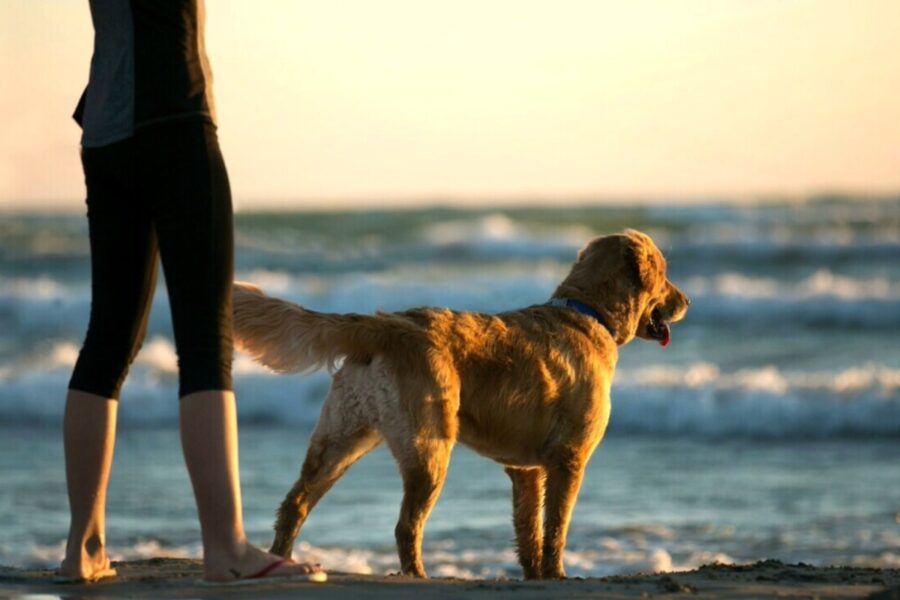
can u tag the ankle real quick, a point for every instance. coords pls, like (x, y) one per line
(90, 548)
(226, 552)
(95, 545)
(85, 559)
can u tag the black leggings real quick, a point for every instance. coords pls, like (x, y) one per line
(163, 191)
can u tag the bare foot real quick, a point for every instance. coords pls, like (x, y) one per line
(254, 563)
(85, 568)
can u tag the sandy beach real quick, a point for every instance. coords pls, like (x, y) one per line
(180, 578)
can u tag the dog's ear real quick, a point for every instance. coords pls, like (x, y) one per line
(641, 253)
(621, 255)
(589, 247)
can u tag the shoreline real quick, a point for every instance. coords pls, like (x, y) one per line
(181, 578)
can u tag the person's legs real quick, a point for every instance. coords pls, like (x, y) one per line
(210, 443)
(123, 276)
(89, 433)
(193, 217)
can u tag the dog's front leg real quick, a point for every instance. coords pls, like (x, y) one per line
(563, 483)
(528, 504)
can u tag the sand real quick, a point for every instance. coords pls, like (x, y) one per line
(180, 578)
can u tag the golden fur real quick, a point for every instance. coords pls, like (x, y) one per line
(527, 388)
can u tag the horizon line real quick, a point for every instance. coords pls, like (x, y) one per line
(500, 201)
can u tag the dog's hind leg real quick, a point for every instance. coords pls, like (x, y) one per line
(528, 505)
(327, 459)
(343, 435)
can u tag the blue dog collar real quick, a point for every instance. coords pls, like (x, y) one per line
(580, 307)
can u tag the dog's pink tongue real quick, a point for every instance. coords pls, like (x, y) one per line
(667, 335)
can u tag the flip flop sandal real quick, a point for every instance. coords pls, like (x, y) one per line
(261, 576)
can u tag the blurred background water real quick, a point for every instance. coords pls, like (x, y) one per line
(770, 428)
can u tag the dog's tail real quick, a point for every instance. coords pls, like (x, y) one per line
(288, 338)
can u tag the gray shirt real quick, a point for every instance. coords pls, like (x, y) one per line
(149, 67)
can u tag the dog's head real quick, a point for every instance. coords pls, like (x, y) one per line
(623, 278)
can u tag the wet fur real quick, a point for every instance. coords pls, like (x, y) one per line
(527, 388)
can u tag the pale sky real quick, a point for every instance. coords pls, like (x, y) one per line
(399, 101)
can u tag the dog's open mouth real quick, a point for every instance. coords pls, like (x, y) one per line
(659, 329)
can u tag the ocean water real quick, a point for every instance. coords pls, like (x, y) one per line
(769, 428)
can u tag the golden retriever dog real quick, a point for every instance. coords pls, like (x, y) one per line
(528, 388)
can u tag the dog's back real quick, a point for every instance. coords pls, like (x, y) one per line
(502, 383)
